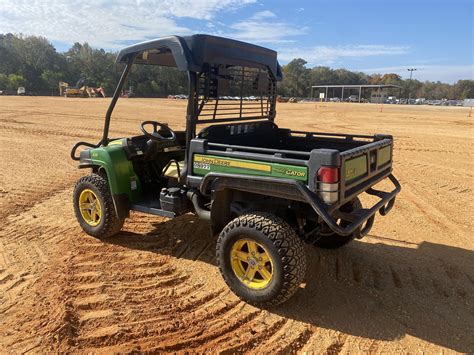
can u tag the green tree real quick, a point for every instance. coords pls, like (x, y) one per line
(51, 81)
(322, 76)
(15, 81)
(4, 82)
(391, 79)
(33, 62)
(297, 78)
(465, 89)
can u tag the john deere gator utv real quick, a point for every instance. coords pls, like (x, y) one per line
(265, 190)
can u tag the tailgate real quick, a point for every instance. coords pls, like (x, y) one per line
(364, 166)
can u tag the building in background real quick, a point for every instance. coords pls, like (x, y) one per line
(468, 102)
(378, 96)
(378, 93)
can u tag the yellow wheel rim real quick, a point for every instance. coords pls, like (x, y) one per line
(251, 263)
(90, 208)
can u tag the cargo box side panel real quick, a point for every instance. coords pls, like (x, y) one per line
(204, 164)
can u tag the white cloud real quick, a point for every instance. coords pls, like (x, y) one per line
(197, 9)
(323, 55)
(263, 14)
(443, 73)
(106, 24)
(264, 27)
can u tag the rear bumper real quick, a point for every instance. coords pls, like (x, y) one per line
(358, 217)
(365, 215)
(298, 191)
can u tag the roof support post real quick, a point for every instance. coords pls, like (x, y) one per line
(116, 96)
(326, 97)
(360, 92)
(190, 121)
(342, 98)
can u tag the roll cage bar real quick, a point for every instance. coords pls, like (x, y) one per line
(208, 60)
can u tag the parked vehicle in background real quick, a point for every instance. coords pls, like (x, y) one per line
(21, 91)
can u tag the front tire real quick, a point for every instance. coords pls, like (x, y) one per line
(94, 207)
(261, 259)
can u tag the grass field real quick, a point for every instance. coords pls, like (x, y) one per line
(407, 287)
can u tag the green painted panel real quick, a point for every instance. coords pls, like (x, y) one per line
(121, 176)
(355, 167)
(204, 164)
(384, 155)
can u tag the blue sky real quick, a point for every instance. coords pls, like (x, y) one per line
(371, 36)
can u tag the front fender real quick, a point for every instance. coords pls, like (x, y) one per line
(121, 176)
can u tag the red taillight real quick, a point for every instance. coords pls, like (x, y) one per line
(328, 174)
(328, 184)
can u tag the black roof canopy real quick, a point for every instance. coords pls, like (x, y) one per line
(193, 53)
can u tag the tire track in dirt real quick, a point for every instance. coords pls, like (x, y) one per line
(428, 272)
(155, 286)
(78, 132)
(432, 168)
(29, 242)
(17, 201)
(433, 213)
(118, 305)
(388, 275)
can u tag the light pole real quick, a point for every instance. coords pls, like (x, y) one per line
(411, 70)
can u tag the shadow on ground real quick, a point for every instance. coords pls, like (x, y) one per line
(371, 290)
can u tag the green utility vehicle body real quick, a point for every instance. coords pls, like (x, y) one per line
(123, 179)
(240, 167)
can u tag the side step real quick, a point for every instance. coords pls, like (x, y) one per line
(153, 210)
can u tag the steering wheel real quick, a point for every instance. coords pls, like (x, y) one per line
(158, 130)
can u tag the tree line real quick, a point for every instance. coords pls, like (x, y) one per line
(298, 80)
(34, 63)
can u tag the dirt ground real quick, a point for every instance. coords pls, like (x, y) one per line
(407, 287)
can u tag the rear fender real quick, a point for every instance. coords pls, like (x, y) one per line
(229, 202)
(220, 210)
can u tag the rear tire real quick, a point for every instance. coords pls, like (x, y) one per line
(332, 240)
(278, 265)
(101, 220)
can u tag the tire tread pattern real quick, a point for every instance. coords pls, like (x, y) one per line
(290, 248)
(112, 223)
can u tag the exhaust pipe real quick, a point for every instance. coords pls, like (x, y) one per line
(195, 197)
